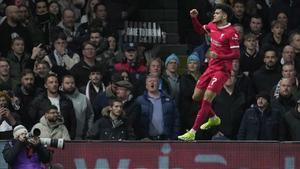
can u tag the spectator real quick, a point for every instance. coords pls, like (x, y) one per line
(239, 11)
(11, 28)
(159, 117)
(100, 43)
(82, 107)
(55, 11)
(8, 118)
(81, 70)
(76, 6)
(113, 124)
(53, 97)
(131, 63)
(256, 27)
(243, 83)
(288, 71)
(269, 74)
(283, 18)
(289, 130)
(52, 125)
(111, 55)
(102, 99)
(171, 76)
(288, 55)
(38, 54)
(25, 17)
(276, 37)
(250, 60)
(290, 7)
(68, 27)
(42, 71)
(18, 59)
(187, 107)
(260, 122)
(61, 59)
(20, 152)
(230, 106)
(124, 93)
(154, 67)
(6, 82)
(42, 23)
(285, 101)
(24, 94)
(94, 86)
(294, 41)
(100, 22)
(89, 11)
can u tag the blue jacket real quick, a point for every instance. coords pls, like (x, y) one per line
(170, 116)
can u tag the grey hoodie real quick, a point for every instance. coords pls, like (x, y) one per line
(54, 130)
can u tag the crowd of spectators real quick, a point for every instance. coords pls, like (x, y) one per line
(65, 70)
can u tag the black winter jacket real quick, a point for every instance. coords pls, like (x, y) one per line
(257, 125)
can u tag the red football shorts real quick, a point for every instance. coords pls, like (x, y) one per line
(212, 80)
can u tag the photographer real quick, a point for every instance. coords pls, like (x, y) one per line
(25, 153)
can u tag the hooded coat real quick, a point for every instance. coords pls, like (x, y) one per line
(55, 130)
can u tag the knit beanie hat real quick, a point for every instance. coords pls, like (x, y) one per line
(193, 57)
(18, 130)
(172, 57)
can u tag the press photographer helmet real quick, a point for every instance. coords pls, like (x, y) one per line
(56, 143)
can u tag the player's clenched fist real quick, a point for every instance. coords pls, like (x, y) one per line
(194, 13)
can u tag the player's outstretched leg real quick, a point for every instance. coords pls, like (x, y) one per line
(203, 113)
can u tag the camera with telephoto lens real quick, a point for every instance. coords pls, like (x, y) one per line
(55, 143)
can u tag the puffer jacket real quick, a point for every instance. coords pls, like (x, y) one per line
(107, 129)
(170, 116)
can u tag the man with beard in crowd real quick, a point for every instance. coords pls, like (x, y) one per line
(83, 109)
(52, 125)
(269, 74)
(24, 94)
(99, 41)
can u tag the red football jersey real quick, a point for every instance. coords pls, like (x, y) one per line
(224, 40)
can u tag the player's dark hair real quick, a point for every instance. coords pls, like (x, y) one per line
(225, 8)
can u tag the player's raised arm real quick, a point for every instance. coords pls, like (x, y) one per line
(197, 25)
